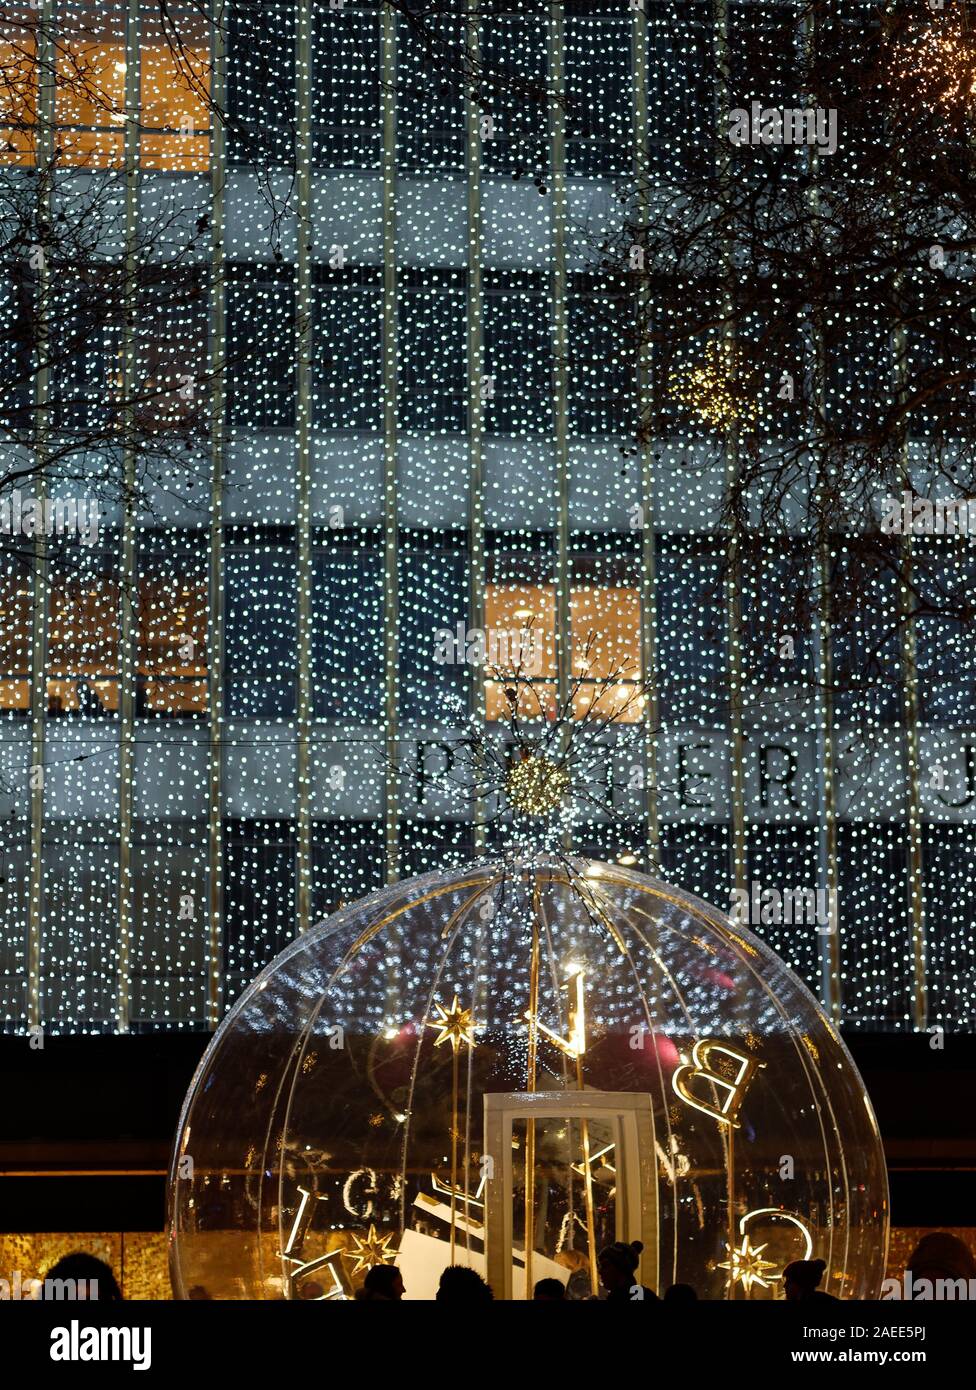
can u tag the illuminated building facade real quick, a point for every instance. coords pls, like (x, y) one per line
(421, 417)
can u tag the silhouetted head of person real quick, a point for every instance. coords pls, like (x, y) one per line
(383, 1284)
(618, 1263)
(801, 1279)
(549, 1291)
(460, 1284)
(93, 1279)
(578, 1283)
(940, 1255)
(680, 1293)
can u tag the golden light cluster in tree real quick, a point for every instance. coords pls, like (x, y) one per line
(536, 786)
(942, 62)
(712, 390)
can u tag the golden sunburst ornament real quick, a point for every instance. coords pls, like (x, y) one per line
(535, 786)
(371, 1250)
(456, 1024)
(746, 1266)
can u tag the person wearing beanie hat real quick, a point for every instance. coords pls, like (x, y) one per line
(617, 1264)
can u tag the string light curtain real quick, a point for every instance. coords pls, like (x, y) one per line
(389, 291)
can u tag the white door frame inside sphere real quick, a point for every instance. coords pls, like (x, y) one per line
(631, 1117)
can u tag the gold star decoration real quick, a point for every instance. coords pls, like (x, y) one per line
(456, 1025)
(746, 1267)
(371, 1250)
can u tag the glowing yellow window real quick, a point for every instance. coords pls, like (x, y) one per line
(605, 624)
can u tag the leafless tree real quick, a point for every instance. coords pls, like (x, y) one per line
(806, 316)
(106, 373)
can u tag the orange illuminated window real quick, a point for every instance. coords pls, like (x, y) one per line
(15, 641)
(90, 66)
(18, 95)
(172, 646)
(83, 647)
(175, 87)
(83, 650)
(605, 622)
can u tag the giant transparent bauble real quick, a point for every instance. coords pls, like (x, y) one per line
(384, 1087)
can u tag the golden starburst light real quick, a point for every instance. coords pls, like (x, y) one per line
(456, 1025)
(746, 1266)
(371, 1249)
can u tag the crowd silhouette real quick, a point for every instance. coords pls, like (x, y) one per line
(617, 1266)
(939, 1255)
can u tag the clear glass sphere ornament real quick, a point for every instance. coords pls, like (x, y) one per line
(552, 1046)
